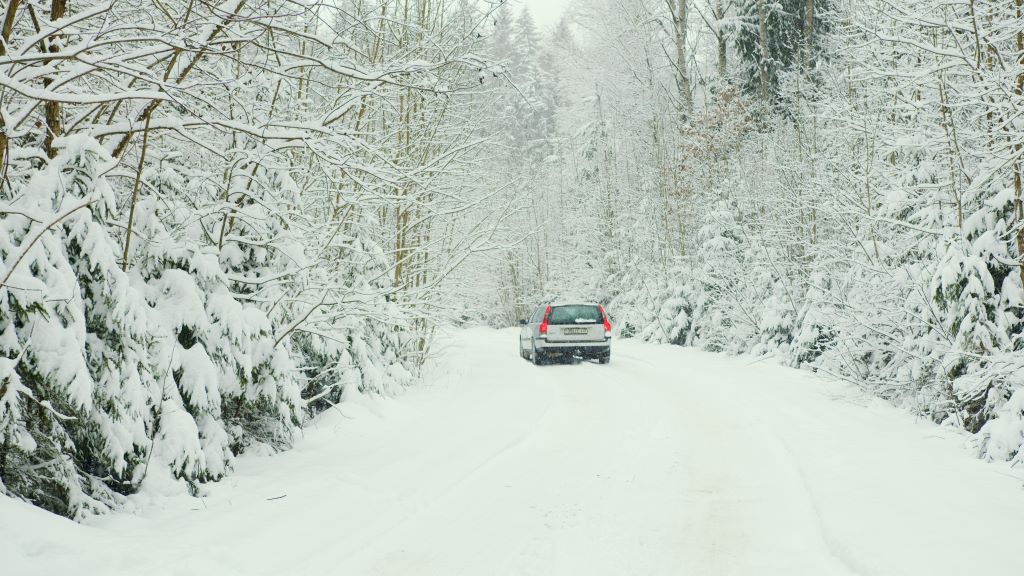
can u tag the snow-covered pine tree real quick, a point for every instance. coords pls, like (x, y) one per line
(771, 38)
(79, 378)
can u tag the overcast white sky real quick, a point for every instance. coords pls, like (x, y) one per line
(545, 12)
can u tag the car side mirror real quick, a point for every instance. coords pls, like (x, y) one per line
(522, 322)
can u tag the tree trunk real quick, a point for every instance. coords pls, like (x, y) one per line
(8, 26)
(679, 17)
(719, 13)
(52, 109)
(1017, 148)
(6, 30)
(135, 198)
(762, 61)
(809, 35)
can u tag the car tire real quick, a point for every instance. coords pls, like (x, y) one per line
(605, 359)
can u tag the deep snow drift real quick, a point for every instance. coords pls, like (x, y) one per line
(668, 461)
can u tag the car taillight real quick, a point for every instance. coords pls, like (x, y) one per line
(607, 324)
(544, 322)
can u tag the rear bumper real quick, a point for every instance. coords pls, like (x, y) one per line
(582, 349)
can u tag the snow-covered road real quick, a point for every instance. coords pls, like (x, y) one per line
(667, 461)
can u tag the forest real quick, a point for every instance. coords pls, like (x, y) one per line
(219, 219)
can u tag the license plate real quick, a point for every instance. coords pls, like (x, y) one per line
(574, 331)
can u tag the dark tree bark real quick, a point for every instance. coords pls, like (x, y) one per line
(58, 8)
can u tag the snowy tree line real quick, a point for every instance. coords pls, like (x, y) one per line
(833, 183)
(218, 219)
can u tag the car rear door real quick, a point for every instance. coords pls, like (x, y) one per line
(575, 323)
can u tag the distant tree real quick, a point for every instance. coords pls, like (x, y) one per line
(776, 37)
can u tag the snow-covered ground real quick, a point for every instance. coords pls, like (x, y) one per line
(667, 461)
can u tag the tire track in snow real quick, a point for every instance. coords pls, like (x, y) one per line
(736, 485)
(844, 560)
(430, 503)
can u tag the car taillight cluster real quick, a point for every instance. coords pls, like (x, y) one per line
(544, 322)
(607, 324)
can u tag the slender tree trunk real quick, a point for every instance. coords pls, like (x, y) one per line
(809, 35)
(1017, 148)
(5, 36)
(135, 198)
(956, 158)
(762, 61)
(52, 109)
(679, 18)
(8, 26)
(720, 37)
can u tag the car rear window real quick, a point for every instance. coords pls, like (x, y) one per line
(576, 314)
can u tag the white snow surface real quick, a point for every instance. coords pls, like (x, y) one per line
(668, 461)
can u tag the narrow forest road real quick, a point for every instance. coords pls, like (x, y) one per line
(667, 461)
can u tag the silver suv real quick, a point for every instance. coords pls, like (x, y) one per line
(566, 331)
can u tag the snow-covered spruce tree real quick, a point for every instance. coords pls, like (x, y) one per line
(979, 297)
(359, 344)
(78, 381)
(179, 278)
(773, 37)
(814, 331)
(969, 316)
(258, 248)
(230, 385)
(680, 304)
(720, 255)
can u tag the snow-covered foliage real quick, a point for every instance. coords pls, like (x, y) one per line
(219, 219)
(215, 219)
